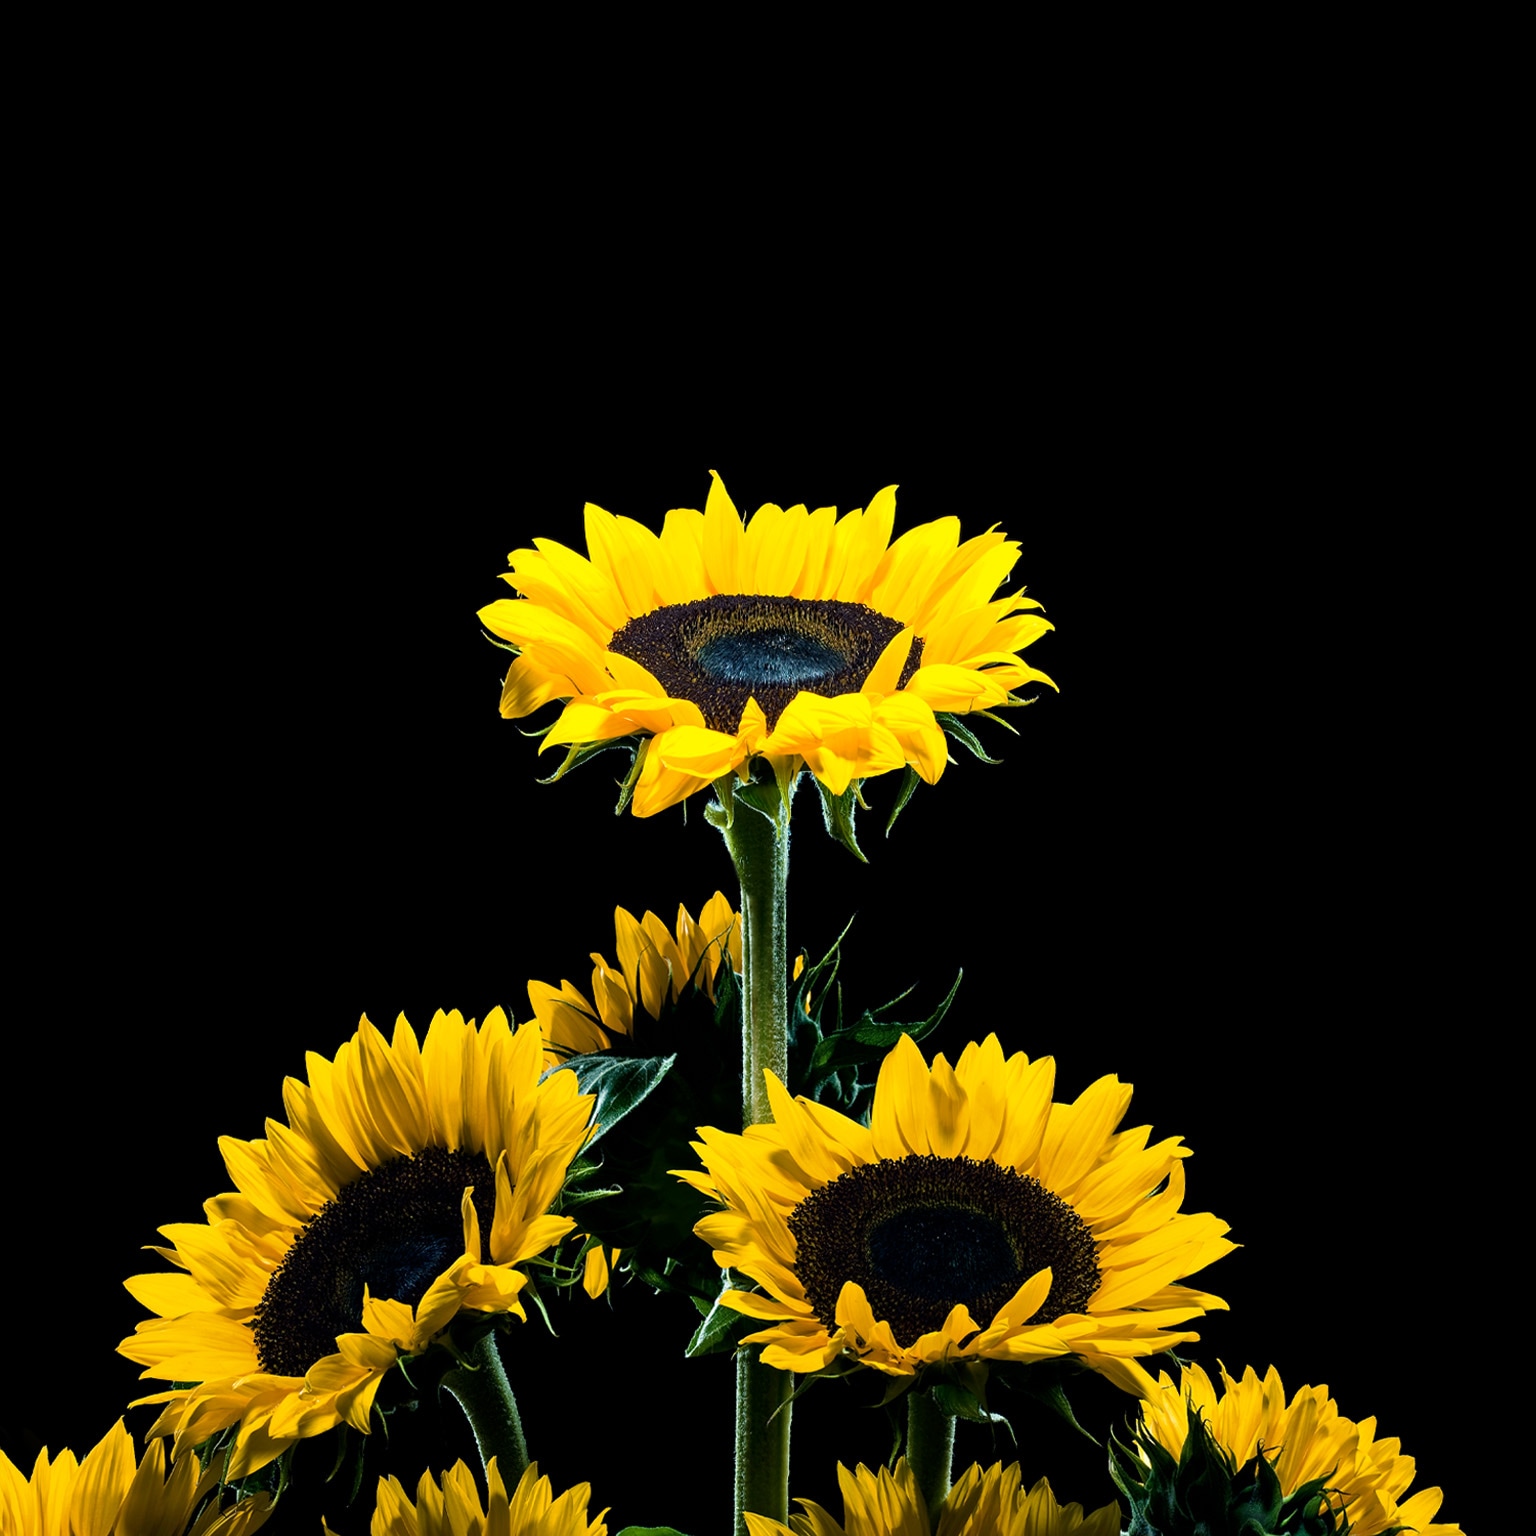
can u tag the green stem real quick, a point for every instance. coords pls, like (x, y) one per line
(762, 1448)
(485, 1395)
(930, 1449)
(759, 848)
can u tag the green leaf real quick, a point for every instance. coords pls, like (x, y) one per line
(838, 812)
(620, 1083)
(722, 1327)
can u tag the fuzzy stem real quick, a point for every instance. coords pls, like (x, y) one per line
(484, 1393)
(930, 1449)
(762, 1449)
(759, 848)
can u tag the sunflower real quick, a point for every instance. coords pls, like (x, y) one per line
(990, 1503)
(531, 1511)
(972, 1219)
(1309, 1437)
(801, 637)
(654, 967)
(111, 1494)
(408, 1184)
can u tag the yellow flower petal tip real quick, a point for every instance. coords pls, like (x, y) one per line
(113, 1491)
(444, 1154)
(533, 1509)
(1305, 1437)
(993, 1502)
(598, 1270)
(973, 1218)
(807, 639)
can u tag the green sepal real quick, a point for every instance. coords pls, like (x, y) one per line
(909, 783)
(1042, 1382)
(722, 1327)
(766, 797)
(580, 752)
(957, 730)
(650, 1530)
(1053, 1395)
(824, 1064)
(838, 813)
(621, 1084)
(627, 788)
(957, 1402)
(721, 811)
(1007, 725)
(503, 645)
(577, 1195)
(1204, 1494)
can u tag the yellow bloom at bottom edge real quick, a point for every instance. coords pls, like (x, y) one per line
(981, 1503)
(533, 1510)
(112, 1494)
(1306, 1438)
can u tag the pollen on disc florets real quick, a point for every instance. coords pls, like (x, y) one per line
(922, 1234)
(721, 651)
(395, 1230)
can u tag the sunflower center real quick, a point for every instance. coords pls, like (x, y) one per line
(924, 1234)
(720, 651)
(394, 1230)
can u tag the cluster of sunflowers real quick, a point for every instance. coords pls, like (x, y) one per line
(941, 1229)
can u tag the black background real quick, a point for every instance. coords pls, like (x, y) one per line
(279, 795)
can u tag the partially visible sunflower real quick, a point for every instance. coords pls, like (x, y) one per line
(654, 967)
(1304, 1438)
(531, 1511)
(111, 1493)
(973, 1219)
(408, 1184)
(801, 637)
(990, 1503)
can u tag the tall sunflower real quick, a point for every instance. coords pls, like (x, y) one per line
(973, 1219)
(111, 1493)
(654, 967)
(801, 637)
(408, 1184)
(990, 1503)
(1304, 1438)
(532, 1510)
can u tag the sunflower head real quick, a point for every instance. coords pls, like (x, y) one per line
(658, 1043)
(1297, 1463)
(112, 1491)
(798, 638)
(972, 1220)
(993, 1502)
(409, 1184)
(656, 971)
(531, 1510)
